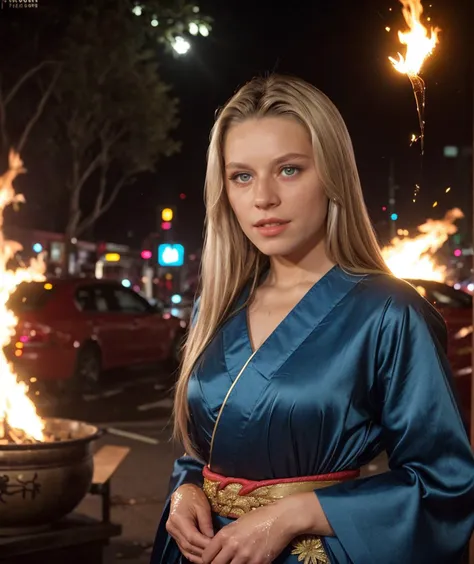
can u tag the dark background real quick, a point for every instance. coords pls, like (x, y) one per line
(342, 48)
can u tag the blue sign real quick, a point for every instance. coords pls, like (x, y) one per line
(170, 255)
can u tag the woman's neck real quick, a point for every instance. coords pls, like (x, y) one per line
(287, 272)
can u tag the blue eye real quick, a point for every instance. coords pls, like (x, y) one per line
(242, 177)
(289, 170)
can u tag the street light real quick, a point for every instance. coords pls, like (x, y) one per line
(137, 10)
(180, 45)
(204, 30)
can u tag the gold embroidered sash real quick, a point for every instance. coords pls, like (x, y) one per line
(234, 497)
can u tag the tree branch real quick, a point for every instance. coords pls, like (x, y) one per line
(39, 111)
(89, 170)
(100, 210)
(99, 158)
(9, 97)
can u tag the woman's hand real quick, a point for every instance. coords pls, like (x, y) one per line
(190, 522)
(257, 537)
(260, 536)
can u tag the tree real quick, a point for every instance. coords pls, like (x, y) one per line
(173, 21)
(110, 117)
(23, 97)
(113, 114)
(20, 134)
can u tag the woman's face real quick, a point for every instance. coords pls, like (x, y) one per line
(273, 185)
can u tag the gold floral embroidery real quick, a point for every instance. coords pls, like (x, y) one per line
(310, 550)
(229, 502)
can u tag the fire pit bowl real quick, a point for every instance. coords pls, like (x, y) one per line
(42, 482)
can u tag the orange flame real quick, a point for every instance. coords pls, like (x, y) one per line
(419, 42)
(15, 406)
(412, 257)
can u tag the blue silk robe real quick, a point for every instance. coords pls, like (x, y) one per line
(356, 368)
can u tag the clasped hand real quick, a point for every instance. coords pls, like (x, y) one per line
(255, 538)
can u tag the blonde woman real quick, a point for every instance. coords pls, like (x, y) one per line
(305, 360)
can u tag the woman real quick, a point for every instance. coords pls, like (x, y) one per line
(307, 359)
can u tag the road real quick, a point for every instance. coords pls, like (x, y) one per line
(134, 408)
(137, 394)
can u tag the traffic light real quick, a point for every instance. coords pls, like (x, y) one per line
(146, 254)
(167, 214)
(394, 217)
(457, 252)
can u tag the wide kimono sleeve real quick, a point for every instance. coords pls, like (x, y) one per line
(422, 510)
(186, 470)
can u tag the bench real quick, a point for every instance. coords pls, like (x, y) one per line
(106, 461)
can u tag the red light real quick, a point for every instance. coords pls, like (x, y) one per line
(166, 225)
(384, 208)
(457, 253)
(182, 196)
(146, 255)
(37, 336)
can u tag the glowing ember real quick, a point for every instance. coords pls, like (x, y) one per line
(420, 44)
(413, 257)
(18, 417)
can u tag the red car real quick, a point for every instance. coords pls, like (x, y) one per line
(71, 330)
(456, 308)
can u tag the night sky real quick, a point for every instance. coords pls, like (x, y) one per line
(341, 47)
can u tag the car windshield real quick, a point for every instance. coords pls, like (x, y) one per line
(30, 296)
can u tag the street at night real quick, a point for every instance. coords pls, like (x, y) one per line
(236, 282)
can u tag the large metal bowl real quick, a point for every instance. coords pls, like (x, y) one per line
(41, 483)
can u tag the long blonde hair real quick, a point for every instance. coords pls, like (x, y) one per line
(229, 259)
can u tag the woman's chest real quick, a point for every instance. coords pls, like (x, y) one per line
(268, 311)
(329, 374)
(304, 409)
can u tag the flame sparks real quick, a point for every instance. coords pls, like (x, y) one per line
(17, 411)
(419, 42)
(412, 257)
(419, 45)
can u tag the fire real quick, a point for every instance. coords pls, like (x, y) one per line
(419, 42)
(17, 412)
(419, 45)
(412, 257)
